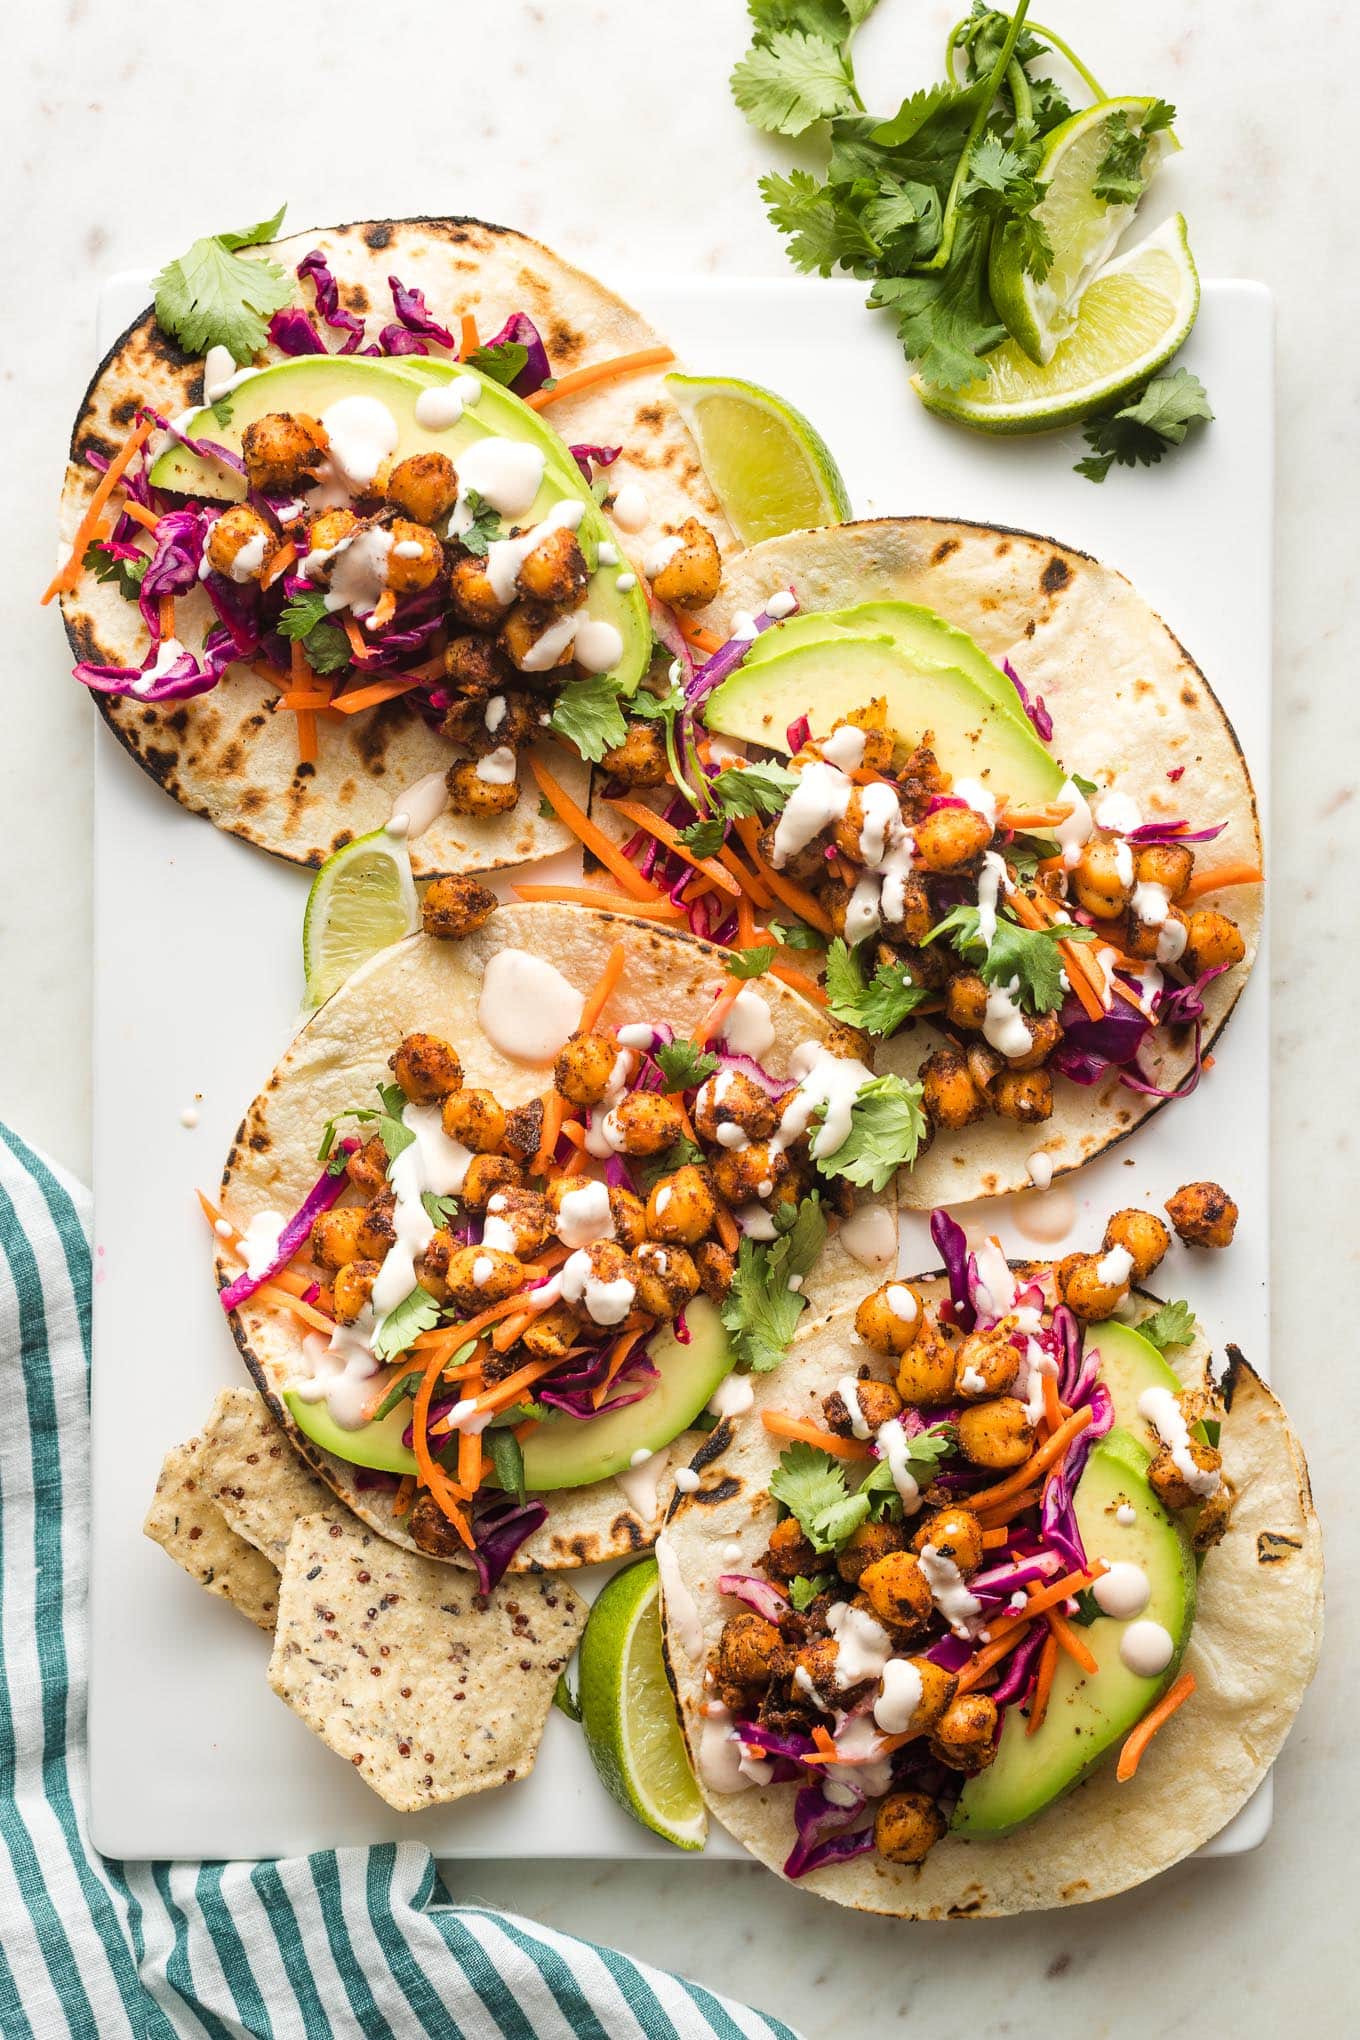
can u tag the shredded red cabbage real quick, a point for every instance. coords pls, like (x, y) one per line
(292, 332)
(1021, 1667)
(314, 268)
(951, 1653)
(1033, 706)
(398, 339)
(498, 1530)
(773, 1087)
(1176, 772)
(572, 1391)
(756, 1593)
(185, 677)
(773, 1742)
(326, 1191)
(176, 557)
(409, 305)
(602, 456)
(537, 370)
(1069, 1337)
(205, 449)
(952, 1244)
(823, 1833)
(238, 610)
(797, 734)
(1173, 832)
(368, 1479)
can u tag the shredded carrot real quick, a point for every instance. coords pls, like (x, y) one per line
(269, 1292)
(799, 981)
(993, 1540)
(1080, 968)
(1043, 1684)
(1052, 1407)
(1024, 1476)
(405, 1495)
(595, 840)
(469, 1442)
(747, 880)
(1052, 1596)
(352, 631)
(283, 559)
(795, 897)
(1068, 1640)
(990, 1656)
(1042, 817)
(383, 610)
(308, 698)
(727, 1229)
(618, 1353)
(554, 1111)
(146, 518)
(468, 342)
(603, 992)
(1006, 1512)
(781, 1426)
(1175, 1696)
(1214, 878)
(603, 371)
(694, 634)
(504, 1393)
(377, 692)
(712, 1021)
(436, 1480)
(603, 902)
(746, 924)
(642, 817)
(66, 576)
(165, 615)
(425, 1342)
(282, 1278)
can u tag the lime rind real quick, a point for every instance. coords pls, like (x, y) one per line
(362, 900)
(770, 467)
(628, 1713)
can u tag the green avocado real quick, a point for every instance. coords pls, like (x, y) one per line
(1128, 1365)
(1088, 1715)
(563, 1452)
(920, 633)
(973, 735)
(313, 382)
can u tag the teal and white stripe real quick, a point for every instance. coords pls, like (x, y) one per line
(350, 1942)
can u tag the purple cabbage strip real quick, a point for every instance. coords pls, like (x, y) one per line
(680, 1327)
(1184, 1006)
(1173, 832)
(951, 1653)
(237, 605)
(315, 269)
(1057, 1518)
(326, 1191)
(409, 305)
(944, 800)
(775, 1742)
(602, 456)
(758, 1594)
(725, 661)
(395, 339)
(773, 1087)
(1033, 706)
(177, 555)
(370, 1479)
(292, 332)
(498, 1530)
(797, 734)
(822, 1833)
(571, 1392)
(1069, 1336)
(537, 370)
(180, 681)
(204, 449)
(952, 1244)
(1020, 1668)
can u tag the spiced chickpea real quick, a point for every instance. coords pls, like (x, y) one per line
(486, 1174)
(964, 1735)
(749, 1649)
(644, 1124)
(907, 1826)
(335, 1236)
(555, 571)
(1144, 939)
(480, 1276)
(996, 1434)
(1102, 879)
(1023, 1095)
(630, 1217)
(949, 1095)
(956, 1535)
(476, 1119)
(965, 1001)
(692, 573)
(897, 1590)
(283, 450)
(875, 1403)
(1168, 1481)
(552, 1333)
(717, 1269)
(367, 1170)
(682, 1207)
(455, 907)
(865, 1546)
(415, 559)
(889, 1318)
(1045, 1032)
(526, 1214)
(730, 1099)
(788, 1552)
(1142, 1235)
(1213, 941)
(743, 1175)
(378, 1229)
(474, 795)
(1169, 865)
(426, 1067)
(640, 760)
(524, 637)
(1203, 1214)
(423, 487)
(352, 1288)
(951, 838)
(584, 1066)
(1093, 1285)
(241, 544)
(667, 1278)
(328, 530)
(986, 1364)
(471, 595)
(925, 1372)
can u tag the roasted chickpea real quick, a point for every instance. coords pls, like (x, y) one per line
(741, 1175)
(1168, 865)
(692, 575)
(415, 560)
(889, 1318)
(730, 1105)
(603, 1262)
(476, 1119)
(241, 544)
(956, 1535)
(470, 793)
(335, 1236)
(430, 1529)
(424, 487)
(865, 1546)
(1168, 1482)
(1045, 1032)
(644, 1124)
(426, 1067)
(918, 916)
(1203, 1214)
(378, 1228)
(471, 595)
(925, 1373)
(717, 1269)
(876, 1402)
(352, 1288)
(1092, 1285)
(474, 666)
(951, 838)
(455, 907)
(907, 1826)
(963, 1736)
(898, 1591)
(749, 1650)
(1144, 939)
(630, 1218)
(530, 639)
(996, 1434)
(949, 1096)
(555, 571)
(584, 1066)
(879, 743)
(480, 1276)
(1022, 1095)
(985, 1364)
(874, 805)
(937, 1691)
(330, 528)
(486, 1175)
(848, 1044)
(682, 1207)
(367, 1170)
(283, 450)
(789, 1552)
(525, 1214)
(666, 1278)
(1213, 940)
(524, 1129)
(1102, 879)
(815, 1666)
(806, 866)
(640, 760)
(1140, 1233)
(552, 1333)
(965, 1001)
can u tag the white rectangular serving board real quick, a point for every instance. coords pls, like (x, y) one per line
(197, 982)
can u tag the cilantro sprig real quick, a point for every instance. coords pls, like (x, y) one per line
(212, 296)
(417, 1312)
(1172, 1325)
(813, 1487)
(305, 618)
(887, 1127)
(683, 1066)
(761, 1311)
(878, 1006)
(485, 526)
(127, 575)
(1144, 430)
(588, 713)
(1025, 960)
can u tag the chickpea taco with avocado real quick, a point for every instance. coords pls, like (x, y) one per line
(1000, 1596)
(356, 509)
(521, 1213)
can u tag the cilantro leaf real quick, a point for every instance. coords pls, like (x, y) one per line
(106, 566)
(886, 1128)
(677, 1156)
(398, 1392)
(565, 1700)
(508, 1460)
(750, 963)
(1086, 786)
(803, 1590)
(440, 1210)
(760, 1310)
(824, 230)
(1001, 186)
(587, 714)
(1088, 1609)
(1172, 1325)
(761, 789)
(213, 296)
(305, 618)
(704, 837)
(788, 80)
(1142, 431)
(1121, 174)
(945, 318)
(793, 935)
(302, 613)
(924, 1451)
(880, 1006)
(1026, 958)
(684, 1066)
(811, 1485)
(417, 1312)
(485, 527)
(502, 362)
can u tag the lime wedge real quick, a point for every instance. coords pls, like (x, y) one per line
(772, 470)
(1083, 230)
(362, 900)
(628, 1713)
(1130, 322)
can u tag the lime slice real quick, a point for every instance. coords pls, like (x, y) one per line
(628, 1713)
(362, 899)
(772, 471)
(1083, 230)
(1131, 320)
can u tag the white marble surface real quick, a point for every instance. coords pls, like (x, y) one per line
(606, 129)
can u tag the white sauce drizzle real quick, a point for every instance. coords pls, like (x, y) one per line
(1146, 1648)
(869, 1236)
(1123, 1592)
(361, 433)
(899, 1696)
(527, 1009)
(1163, 1411)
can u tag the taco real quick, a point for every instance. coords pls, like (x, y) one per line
(986, 1606)
(294, 532)
(514, 1209)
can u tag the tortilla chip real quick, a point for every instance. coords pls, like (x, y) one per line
(431, 1690)
(253, 1474)
(185, 1521)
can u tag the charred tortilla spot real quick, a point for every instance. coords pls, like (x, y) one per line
(251, 801)
(378, 234)
(1030, 627)
(1055, 576)
(1227, 1387)
(231, 761)
(1274, 1549)
(1189, 698)
(942, 551)
(356, 298)
(725, 1490)
(563, 340)
(124, 411)
(304, 770)
(651, 414)
(626, 1528)
(161, 765)
(1002, 548)
(178, 722)
(260, 1143)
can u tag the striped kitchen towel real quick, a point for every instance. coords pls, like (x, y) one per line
(349, 1942)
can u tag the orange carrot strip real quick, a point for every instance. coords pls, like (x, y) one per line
(799, 981)
(1006, 1512)
(795, 897)
(604, 990)
(1214, 878)
(269, 1292)
(992, 1540)
(306, 699)
(282, 1278)
(1058, 1591)
(1175, 1696)
(554, 1112)
(727, 1229)
(506, 1392)
(1024, 1476)
(66, 576)
(357, 643)
(1052, 1407)
(1068, 1640)
(433, 1475)
(1042, 817)
(378, 692)
(643, 818)
(781, 1426)
(747, 880)
(1001, 1646)
(424, 1342)
(283, 559)
(1043, 1684)
(146, 518)
(165, 615)
(618, 1353)
(595, 840)
(712, 1021)
(468, 342)
(605, 902)
(469, 1442)
(1081, 970)
(405, 1495)
(746, 924)
(603, 371)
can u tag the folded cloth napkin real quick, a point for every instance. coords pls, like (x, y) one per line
(348, 1942)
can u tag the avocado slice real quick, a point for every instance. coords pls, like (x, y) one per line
(1128, 1365)
(562, 1452)
(1088, 1715)
(920, 633)
(971, 734)
(313, 382)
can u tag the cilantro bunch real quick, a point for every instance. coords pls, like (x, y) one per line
(812, 1486)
